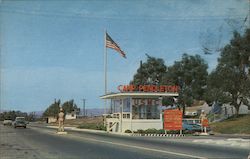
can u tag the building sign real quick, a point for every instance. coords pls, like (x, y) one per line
(173, 119)
(148, 88)
(145, 102)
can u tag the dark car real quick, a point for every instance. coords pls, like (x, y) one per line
(20, 122)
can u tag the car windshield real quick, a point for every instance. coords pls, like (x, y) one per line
(19, 119)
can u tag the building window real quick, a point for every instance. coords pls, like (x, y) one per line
(126, 116)
(145, 109)
(126, 105)
(116, 106)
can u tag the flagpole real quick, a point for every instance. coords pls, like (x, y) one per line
(105, 72)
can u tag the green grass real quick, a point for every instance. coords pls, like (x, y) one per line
(93, 126)
(234, 125)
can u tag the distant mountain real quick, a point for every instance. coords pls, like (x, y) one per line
(38, 113)
(3, 110)
(95, 112)
(89, 112)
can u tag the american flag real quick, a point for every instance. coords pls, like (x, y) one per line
(111, 44)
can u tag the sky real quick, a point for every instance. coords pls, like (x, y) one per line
(55, 49)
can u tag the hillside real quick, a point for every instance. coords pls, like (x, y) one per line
(239, 125)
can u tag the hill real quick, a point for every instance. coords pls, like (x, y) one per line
(239, 125)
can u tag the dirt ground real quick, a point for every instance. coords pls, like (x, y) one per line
(81, 121)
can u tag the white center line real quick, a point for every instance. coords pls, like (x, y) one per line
(142, 148)
(133, 146)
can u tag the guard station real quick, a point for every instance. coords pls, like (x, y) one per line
(137, 107)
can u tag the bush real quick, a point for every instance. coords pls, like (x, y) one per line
(101, 127)
(151, 131)
(92, 126)
(161, 131)
(128, 131)
(140, 131)
(173, 132)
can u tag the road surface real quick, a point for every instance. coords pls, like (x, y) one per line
(38, 142)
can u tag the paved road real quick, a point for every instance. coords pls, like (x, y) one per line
(39, 142)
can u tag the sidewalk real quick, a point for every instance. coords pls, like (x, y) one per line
(247, 136)
(230, 140)
(77, 129)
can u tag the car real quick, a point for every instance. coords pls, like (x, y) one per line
(191, 120)
(7, 122)
(191, 127)
(20, 122)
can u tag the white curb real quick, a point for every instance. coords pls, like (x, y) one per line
(159, 135)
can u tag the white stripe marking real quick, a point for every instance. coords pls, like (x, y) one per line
(144, 148)
(138, 147)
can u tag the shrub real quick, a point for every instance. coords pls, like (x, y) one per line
(100, 127)
(128, 131)
(140, 131)
(160, 131)
(92, 126)
(151, 131)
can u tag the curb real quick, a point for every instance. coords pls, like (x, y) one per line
(77, 129)
(159, 135)
(123, 134)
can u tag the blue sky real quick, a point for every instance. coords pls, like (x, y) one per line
(54, 49)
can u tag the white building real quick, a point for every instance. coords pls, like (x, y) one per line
(70, 116)
(135, 110)
(51, 119)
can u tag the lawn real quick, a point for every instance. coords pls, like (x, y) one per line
(239, 125)
(82, 121)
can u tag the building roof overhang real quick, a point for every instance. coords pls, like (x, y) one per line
(139, 94)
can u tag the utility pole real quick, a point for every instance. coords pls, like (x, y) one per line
(83, 107)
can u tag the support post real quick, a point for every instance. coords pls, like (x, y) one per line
(105, 72)
(83, 107)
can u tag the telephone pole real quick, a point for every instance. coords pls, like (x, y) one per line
(83, 107)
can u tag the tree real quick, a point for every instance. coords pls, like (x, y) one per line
(31, 116)
(70, 106)
(13, 114)
(213, 93)
(150, 72)
(231, 78)
(190, 73)
(53, 109)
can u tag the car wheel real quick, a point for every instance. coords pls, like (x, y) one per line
(24, 127)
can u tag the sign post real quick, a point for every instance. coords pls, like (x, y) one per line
(173, 120)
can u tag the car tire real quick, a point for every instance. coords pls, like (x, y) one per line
(24, 127)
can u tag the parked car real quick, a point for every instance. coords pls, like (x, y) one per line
(7, 122)
(20, 122)
(193, 125)
(191, 120)
(191, 128)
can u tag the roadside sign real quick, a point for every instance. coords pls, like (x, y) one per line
(172, 119)
(204, 122)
